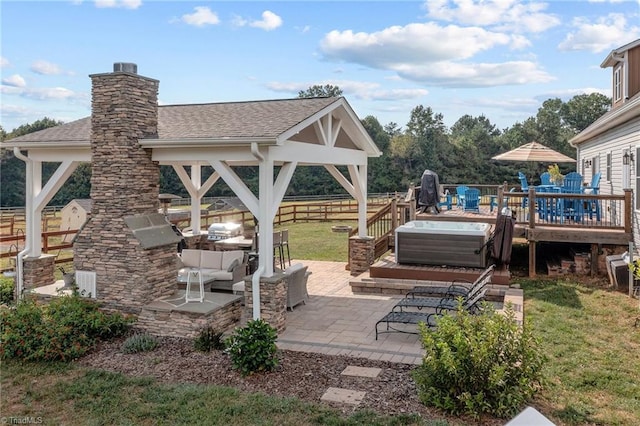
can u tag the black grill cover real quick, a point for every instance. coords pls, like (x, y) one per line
(429, 190)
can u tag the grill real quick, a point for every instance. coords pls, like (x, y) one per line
(222, 231)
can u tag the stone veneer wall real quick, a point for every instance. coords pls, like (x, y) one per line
(177, 323)
(124, 182)
(273, 300)
(361, 254)
(38, 271)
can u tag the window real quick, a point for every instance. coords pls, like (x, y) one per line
(617, 83)
(595, 165)
(608, 177)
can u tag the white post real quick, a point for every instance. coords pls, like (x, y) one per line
(33, 214)
(196, 180)
(362, 204)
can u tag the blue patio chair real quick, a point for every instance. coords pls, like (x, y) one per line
(447, 201)
(550, 209)
(572, 183)
(573, 208)
(545, 178)
(460, 191)
(593, 206)
(524, 187)
(472, 200)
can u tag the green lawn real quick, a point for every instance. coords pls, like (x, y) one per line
(593, 343)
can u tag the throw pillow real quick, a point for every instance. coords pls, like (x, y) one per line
(232, 265)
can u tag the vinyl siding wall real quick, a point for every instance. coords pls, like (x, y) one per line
(615, 142)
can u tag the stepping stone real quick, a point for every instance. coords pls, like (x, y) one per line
(346, 396)
(370, 372)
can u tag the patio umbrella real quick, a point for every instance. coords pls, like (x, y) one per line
(534, 151)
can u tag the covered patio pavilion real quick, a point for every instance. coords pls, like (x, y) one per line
(276, 136)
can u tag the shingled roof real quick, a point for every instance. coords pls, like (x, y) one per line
(251, 119)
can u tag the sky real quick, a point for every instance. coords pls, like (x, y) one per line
(497, 58)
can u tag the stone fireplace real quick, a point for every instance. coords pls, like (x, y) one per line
(124, 184)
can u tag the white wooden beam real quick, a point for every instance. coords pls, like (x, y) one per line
(342, 180)
(54, 183)
(307, 153)
(281, 184)
(237, 186)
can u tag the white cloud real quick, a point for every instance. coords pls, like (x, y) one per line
(50, 93)
(270, 21)
(356, 89)
(413, 43)
(42, 94)
(511, 15)
(201, 17)
(14, 80)
(4, 62)
(45, 68)
(432, 54)
(125, 4)
(567, 94)
(606, 32)
(454, 74)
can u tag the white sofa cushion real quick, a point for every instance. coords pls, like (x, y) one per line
(190, 258)
(211, 259)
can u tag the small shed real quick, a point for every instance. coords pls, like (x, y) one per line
(75, 214)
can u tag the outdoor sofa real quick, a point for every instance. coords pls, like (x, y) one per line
(218, 270)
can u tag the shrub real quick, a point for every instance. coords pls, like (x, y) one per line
(477, 364)
(208, 339)
(6, 290)
(253, 348)
(139, 343)
(63, 330)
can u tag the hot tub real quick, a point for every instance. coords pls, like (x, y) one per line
(425, 242)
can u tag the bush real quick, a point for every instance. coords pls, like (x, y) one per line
(477, 364)
(139, 343)
(65, 329)
(208, 339)
(6, 290)
(253, 348)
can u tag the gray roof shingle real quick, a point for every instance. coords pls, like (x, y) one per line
(268, 118)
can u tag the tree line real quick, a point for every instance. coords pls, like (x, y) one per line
(459, 154)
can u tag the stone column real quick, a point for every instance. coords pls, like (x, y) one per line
(38, 271)
(273, 300)
(124, 182)
(361, 254)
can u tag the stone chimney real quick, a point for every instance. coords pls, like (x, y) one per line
(124, 183)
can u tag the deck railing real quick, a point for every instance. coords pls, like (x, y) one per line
(576, 210)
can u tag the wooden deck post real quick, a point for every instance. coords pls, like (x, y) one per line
(394, 214)
(532, 259)
(500, 198)
(627, 210)
(531, 203)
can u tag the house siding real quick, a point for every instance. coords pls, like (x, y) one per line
(615, 142)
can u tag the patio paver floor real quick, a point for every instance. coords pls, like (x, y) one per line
(335, 321)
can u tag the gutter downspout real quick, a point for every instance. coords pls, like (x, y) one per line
(255, 279)
(28, 202)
